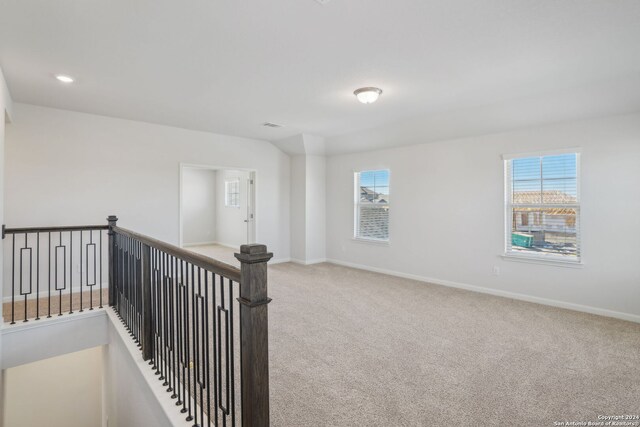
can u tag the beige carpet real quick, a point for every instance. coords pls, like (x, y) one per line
(219, 252)
(353, 348)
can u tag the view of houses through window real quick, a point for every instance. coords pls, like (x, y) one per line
(543, 206)
(372, 205)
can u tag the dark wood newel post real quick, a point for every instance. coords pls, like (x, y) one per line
(254, 342)
(112, 220)
(147, 336)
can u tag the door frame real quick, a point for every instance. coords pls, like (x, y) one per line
(253, 174)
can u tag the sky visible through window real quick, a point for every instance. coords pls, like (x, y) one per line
(548, 173)
(377, 181)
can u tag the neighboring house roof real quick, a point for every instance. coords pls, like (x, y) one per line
(372, 196)
(548, 196)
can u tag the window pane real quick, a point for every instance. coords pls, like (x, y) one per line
(374, 186)
(232, 194)
(526, 168)
(544, 231)
(560, 191)
(526, 192)
(373, 222)
(561, 166)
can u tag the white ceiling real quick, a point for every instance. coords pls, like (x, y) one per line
(227, 66)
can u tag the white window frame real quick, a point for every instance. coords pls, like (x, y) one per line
(227, 192)
(551, 259)
(356, 208)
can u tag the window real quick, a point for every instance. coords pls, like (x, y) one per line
(543, 207)
(232, 193)
(372, 205)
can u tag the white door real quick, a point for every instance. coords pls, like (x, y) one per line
(250, 219)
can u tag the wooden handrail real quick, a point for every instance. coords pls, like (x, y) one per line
(52, 229)
(209, 264)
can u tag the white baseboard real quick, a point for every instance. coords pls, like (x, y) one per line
(45, 293)
(188, 245)
(279, 261)
(309, 262)
(505, 294)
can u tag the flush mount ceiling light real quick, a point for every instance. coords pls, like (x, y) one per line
(367, 95)
(64, 79)
(271, 125)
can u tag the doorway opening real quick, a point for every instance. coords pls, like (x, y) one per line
(217, 209)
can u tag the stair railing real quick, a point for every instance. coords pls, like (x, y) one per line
(198, 321)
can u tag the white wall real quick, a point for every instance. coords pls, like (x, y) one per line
(231, 230)
(132, 391)
(298, 207)
(6, 108)
(315, 208)
(73, 168)
(37, 340)
(63, 391)
(447, 215)
(198, 206)
(308, 208)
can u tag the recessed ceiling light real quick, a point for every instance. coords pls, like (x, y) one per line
(64, 79)
(368, 95)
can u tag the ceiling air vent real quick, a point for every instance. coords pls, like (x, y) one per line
(271, 125)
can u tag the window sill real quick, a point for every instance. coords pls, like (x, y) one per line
(544, 261)
(371, 241)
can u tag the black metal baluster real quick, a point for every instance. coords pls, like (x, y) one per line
(134, 291)
(216, 354)
(125, 279)
(231, 359)
(38, 275)
(189, 390)
(140, 285)
(201, 350)
(219, 311)
(95, 253)
(64, 275)
(154, 299)
(184, 272)
(160, 314)
(49, 281)
(174, 326)
(206, 345)
(158, 287)
(81, 270)
(180, 364)
(152, 273)
(21, 270)
(70, 272)
(13, 279)
(140, 295)
(130, 285)
(196, 346)
(167, 306)
(165, 335)
(101, 261)
(118, 274)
